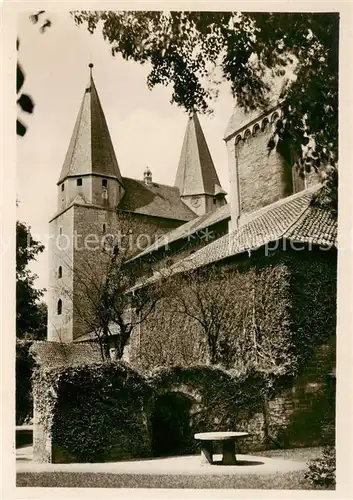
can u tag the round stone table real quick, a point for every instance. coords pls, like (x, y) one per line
(228, 445)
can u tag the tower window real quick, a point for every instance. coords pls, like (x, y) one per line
(104, 228)
(60, 307)
(60, 272)
(62, 187)
(60, 230)
(79, 182)
(104, 183)
(214, 201)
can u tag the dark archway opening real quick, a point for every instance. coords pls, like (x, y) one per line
(171, 430)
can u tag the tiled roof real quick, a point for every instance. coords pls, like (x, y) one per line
(90, 150)
(157, 200)
(196, 172)
(315, 226)
(188, 229)
(293, 218)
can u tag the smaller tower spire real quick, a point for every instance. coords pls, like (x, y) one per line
(196, 176)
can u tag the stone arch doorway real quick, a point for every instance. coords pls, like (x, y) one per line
(171, 430)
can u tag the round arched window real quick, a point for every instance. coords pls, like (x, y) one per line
(60, 306)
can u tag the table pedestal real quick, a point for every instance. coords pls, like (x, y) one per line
(228, 453)
(206, 452)
(227, 438)
(228, 449)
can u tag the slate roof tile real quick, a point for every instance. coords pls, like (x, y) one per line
(157, 200)
(188, 229)
(90, 149)
(196, 172)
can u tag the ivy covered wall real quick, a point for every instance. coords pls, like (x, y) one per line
(275, 310)
(275, 356)
(91, 413)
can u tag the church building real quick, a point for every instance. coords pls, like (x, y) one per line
(191, 223)
(93, 194)
(272, 252)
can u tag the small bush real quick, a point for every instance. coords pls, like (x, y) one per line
(322, 471)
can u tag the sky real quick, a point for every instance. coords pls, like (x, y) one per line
(146, 129)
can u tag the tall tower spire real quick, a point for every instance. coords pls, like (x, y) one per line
(89, 190)
(196, 176)
(90, 155)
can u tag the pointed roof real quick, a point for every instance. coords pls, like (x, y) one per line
(196, 173)
(90, 150)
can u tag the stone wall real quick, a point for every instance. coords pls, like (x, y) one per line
(83, 262)
(177, 401)
(60, 254)
(263, 176)
(294, 304)
(259, 176)
(302, 412)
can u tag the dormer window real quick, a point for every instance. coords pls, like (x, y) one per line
(79, 182)
(62, 187)
(104, 183)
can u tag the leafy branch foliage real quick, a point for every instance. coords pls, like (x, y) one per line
(24, 101)
(31, 314)
(195, 51)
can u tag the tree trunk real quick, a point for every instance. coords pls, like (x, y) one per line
(105, 343)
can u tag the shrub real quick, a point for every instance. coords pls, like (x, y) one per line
(322, 471)
(94, 413)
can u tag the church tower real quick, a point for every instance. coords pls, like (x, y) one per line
(196, 177)
(259, 176)
(89, 188)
